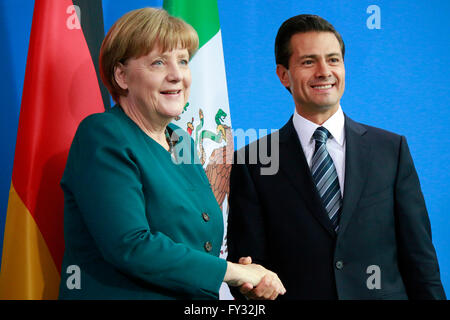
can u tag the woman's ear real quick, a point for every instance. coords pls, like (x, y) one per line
(120, 76)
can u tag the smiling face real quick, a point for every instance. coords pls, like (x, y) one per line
(316, 74)
(158, 84)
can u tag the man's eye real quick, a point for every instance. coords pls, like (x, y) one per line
(334, 60)
(307, 62)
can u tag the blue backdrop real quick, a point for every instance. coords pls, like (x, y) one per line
(396, 57)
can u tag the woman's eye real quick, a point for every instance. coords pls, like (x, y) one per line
(184, 62)
(157, 63)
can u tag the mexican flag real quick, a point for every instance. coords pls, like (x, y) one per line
(206, 117)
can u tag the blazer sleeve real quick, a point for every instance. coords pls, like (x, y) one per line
(417, 256)
(105, 181)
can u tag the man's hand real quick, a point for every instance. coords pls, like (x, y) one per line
(267, 289)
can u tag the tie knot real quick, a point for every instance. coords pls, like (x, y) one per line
(321, 135)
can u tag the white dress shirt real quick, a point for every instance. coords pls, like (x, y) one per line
(335, 144)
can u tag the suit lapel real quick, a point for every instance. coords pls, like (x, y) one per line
(356, 166)
(294, 166)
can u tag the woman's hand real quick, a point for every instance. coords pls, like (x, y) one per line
(256, 282)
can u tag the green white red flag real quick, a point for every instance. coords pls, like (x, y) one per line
(206, 117)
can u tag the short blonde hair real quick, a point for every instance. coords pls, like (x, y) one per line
(135, 34)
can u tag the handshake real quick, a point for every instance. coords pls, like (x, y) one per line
(255, 281)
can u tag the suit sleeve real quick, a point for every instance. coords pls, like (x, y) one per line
(246, 234)
(106, 184)
(417, 256)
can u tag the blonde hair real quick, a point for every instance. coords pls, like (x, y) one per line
(135, 34)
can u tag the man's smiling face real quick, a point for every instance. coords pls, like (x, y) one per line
(316, 74)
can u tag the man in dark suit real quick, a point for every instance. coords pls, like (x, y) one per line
(344, 216)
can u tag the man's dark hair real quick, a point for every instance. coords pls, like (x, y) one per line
(300, 24)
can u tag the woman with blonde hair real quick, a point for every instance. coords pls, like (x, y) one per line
(138, 224)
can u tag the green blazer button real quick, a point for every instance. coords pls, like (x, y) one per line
(208, 246)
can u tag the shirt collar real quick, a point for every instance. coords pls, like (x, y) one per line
(306, 128)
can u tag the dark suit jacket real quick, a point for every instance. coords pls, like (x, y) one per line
(280, 222)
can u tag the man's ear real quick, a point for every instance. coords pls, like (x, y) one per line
(283, 75)
(120, 76)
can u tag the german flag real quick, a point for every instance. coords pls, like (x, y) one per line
(61, 88)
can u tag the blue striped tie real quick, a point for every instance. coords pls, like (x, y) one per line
(325, 176)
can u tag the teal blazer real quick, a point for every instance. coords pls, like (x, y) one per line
(137, 224)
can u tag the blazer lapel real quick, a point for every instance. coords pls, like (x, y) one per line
(356, 167)
(293, 164)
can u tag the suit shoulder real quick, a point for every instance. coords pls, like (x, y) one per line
(379, 133)
(382, 132)
(384, 141)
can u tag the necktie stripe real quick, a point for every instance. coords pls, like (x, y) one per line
(330, 192)
(320, 151)
(326, 179)
(324, 165)
(318, 158)
(325, 176)
(334, 210)
(327, 185)
(333, 201)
